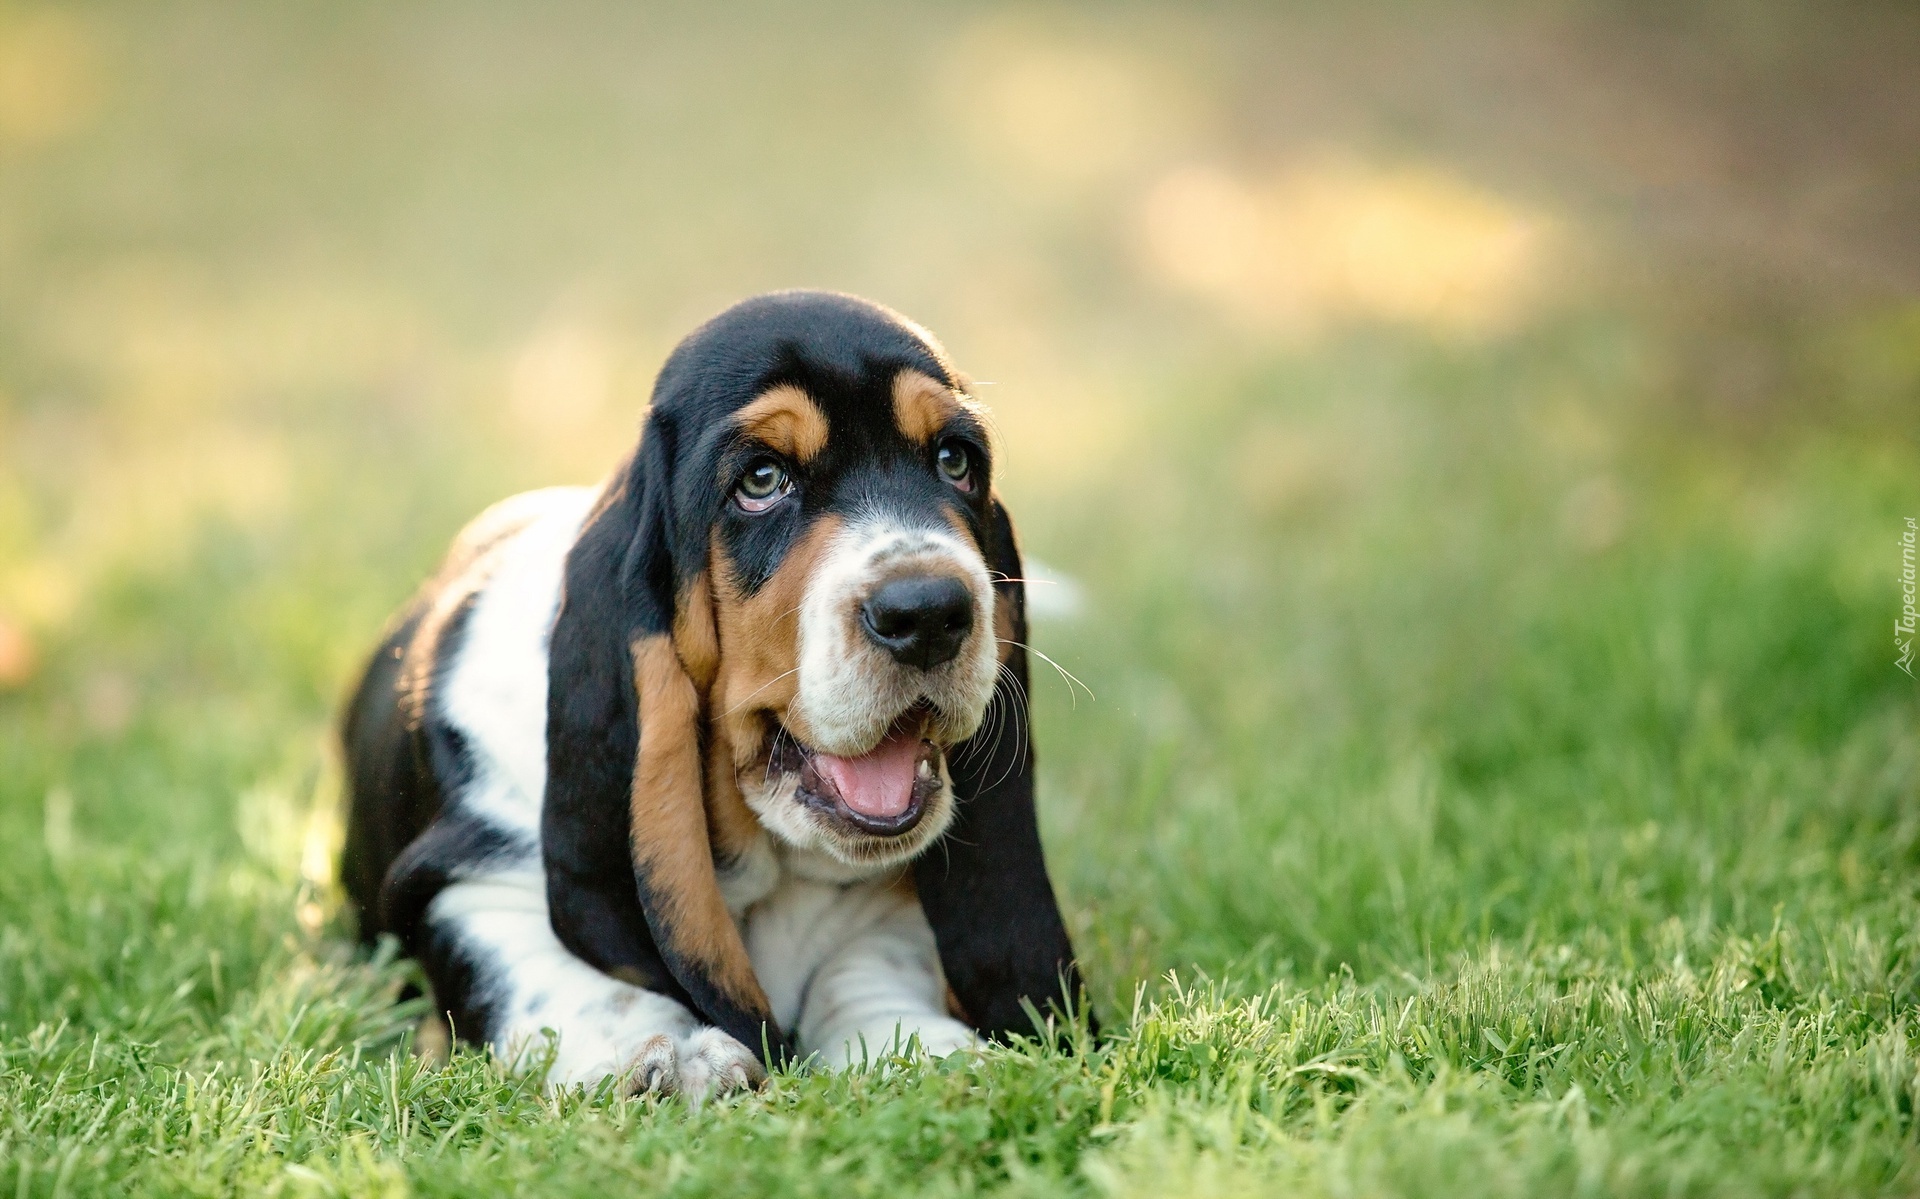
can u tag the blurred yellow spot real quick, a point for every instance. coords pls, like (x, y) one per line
(17, 659)
(108, 703)
(41, 591)
(562, 378)
(184, 367)
(173, 342)
(270, 826)
(320, 844)
(1284, 468)
(49, 76)
(310, 916)
(1335, 241)
(1594, 513)
(1063, 112)
(1054, 429)
(144, 496)
(57, 823)
(1574, 431)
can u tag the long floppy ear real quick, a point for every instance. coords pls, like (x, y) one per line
(984, 887)
(631, 884)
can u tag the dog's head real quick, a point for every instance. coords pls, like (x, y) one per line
(798, 610)
(840, 619)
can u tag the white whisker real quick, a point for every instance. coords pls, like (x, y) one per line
(757, 690)
(1066, 674)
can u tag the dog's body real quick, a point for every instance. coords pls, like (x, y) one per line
(729, 757)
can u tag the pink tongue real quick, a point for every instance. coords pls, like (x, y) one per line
(879, 782)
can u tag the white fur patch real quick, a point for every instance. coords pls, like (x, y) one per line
(494, 690)
(545, 1000)
(751, 877)
(853, 971)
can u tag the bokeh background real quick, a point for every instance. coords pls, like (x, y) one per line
(1477, 436)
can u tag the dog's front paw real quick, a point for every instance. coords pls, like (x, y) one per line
(704, 1062)
(711, 1062)
(655, 1068)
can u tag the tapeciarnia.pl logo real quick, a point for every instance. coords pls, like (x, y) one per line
(1903, 628)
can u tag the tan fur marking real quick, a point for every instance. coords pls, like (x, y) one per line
(730, 822)
(786, 420)
(962, 530)
(922, 405)
(760, 646)
(669, 832)
(694, 638)
(733, 823)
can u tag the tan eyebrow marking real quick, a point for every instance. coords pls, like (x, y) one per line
(787, 421)
(922, 405)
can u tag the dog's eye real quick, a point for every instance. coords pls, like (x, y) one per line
(762, 485)
(956, 464)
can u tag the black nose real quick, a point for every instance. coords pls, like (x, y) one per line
(921, 619)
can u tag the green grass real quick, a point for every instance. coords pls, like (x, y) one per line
(1482, 863)
(1496, 780)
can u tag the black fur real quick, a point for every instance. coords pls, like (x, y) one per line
(456, 989)
(391, 797)
(612, 596)
(984, 888)
(402, 760)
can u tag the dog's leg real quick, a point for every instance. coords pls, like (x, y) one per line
(859, 969)
(527, 985)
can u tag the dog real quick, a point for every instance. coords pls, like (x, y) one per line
(727, 762)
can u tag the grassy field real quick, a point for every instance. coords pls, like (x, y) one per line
(1495, 777)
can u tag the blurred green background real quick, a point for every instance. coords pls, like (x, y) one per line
(1480, 435)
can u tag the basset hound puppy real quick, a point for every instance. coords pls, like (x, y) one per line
(727, 760)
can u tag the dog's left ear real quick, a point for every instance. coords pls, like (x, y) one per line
(984, 887)
(631, 883)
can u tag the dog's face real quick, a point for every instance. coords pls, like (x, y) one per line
(852, 608)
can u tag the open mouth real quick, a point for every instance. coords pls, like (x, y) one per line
(882, 792)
